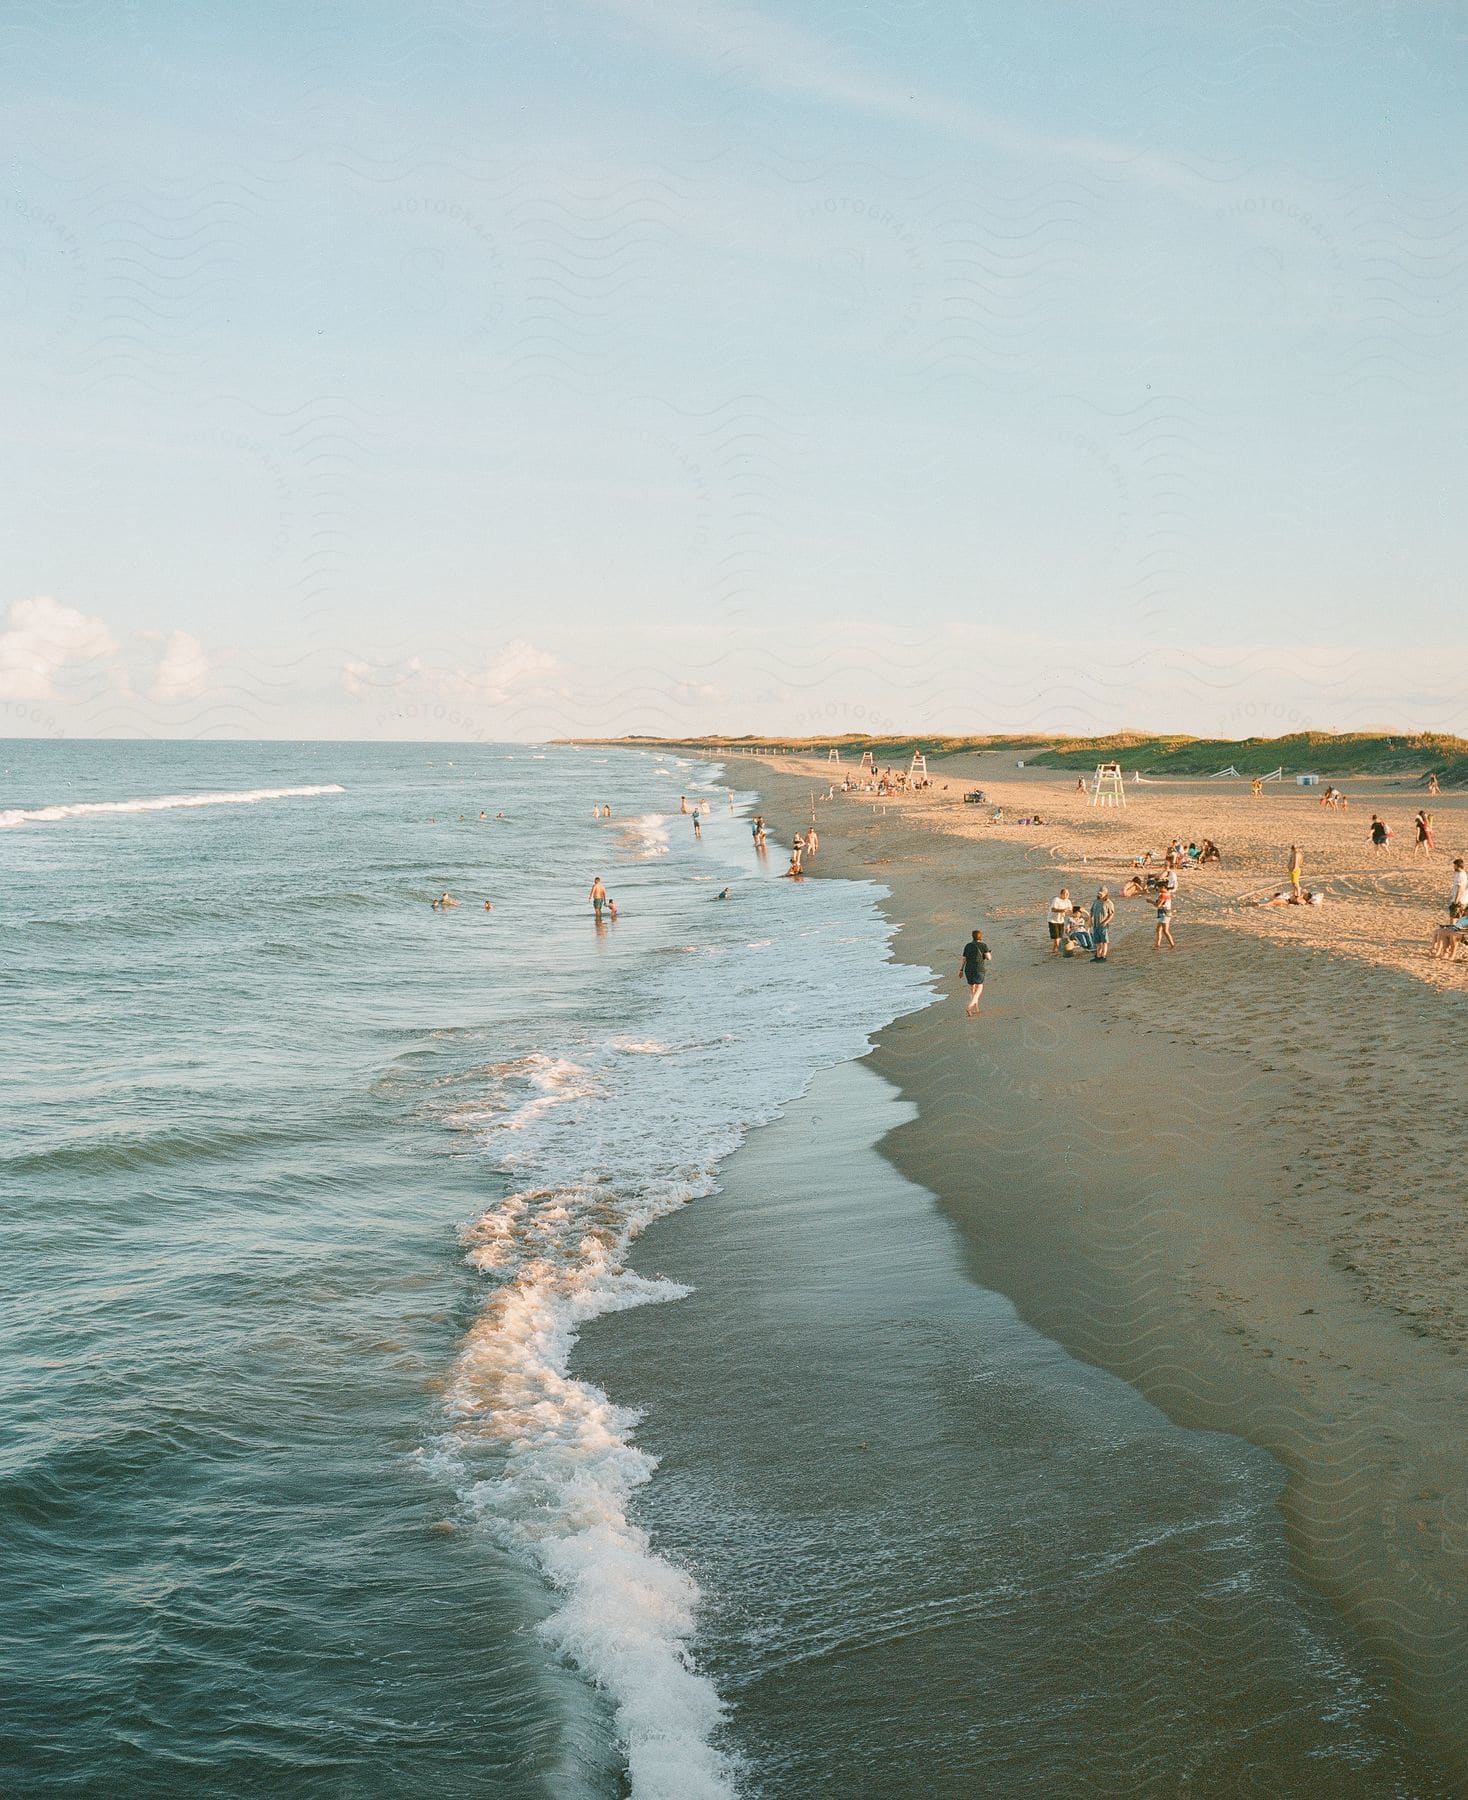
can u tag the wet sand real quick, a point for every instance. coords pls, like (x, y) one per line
(1231, 1175)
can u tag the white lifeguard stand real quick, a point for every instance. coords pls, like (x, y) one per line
(833, 755)
(918, 767)
(1107, 786)
(867, 762)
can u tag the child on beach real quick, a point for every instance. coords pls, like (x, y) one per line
(1164, 919)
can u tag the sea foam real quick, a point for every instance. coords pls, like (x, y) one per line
(164, 803)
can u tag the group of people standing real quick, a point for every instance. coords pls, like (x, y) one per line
(1076, 928)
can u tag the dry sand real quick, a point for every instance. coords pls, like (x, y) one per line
(1232, 1174)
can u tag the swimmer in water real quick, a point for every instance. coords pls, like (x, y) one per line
(611, 907)
(489, 906)
(597, 896)
(723, 894)
(444, 901)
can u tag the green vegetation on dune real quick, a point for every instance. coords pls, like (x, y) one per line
(1411, 754)
(1320, 752)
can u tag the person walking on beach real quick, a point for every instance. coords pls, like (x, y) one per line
(1059, 913)
(1103, 911)
(976, 954)
(1296, 870)
(1381, 833)
(1256, 787)
(1164, 919)
(1458, 899)
(597, 896)
(812, 842)
(1423, 823)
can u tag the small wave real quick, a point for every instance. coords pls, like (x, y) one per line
(648, 834)
(165, 803)
(502, 1102)
(631, 1047)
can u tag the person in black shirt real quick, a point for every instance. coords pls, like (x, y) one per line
(975, 954)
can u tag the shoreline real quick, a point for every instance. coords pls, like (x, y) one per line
(1175, 1167)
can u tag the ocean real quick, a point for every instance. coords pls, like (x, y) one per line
(330, 1464)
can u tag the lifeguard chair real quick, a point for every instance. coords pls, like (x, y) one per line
(1107, 786)
(867, 763)
(918, 767)
(833, 755)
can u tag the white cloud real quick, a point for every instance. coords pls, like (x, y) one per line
(357, 676)
(517, 672)
(183, 672)
(40, 637)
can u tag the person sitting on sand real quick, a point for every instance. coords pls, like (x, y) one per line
(795, 870)
(1078, 935)
(1209, 853)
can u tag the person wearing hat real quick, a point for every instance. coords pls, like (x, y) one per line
(1103, 911)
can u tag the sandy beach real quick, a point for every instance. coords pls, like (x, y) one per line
(1229, 1174)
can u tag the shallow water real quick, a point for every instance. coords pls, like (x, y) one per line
(309, 1188)
(941, 1556)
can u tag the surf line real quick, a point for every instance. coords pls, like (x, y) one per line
(165, 803)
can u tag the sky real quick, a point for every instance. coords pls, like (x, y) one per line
(548, 367)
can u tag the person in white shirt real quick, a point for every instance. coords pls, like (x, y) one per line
(1458, 899)
(1059, 913)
